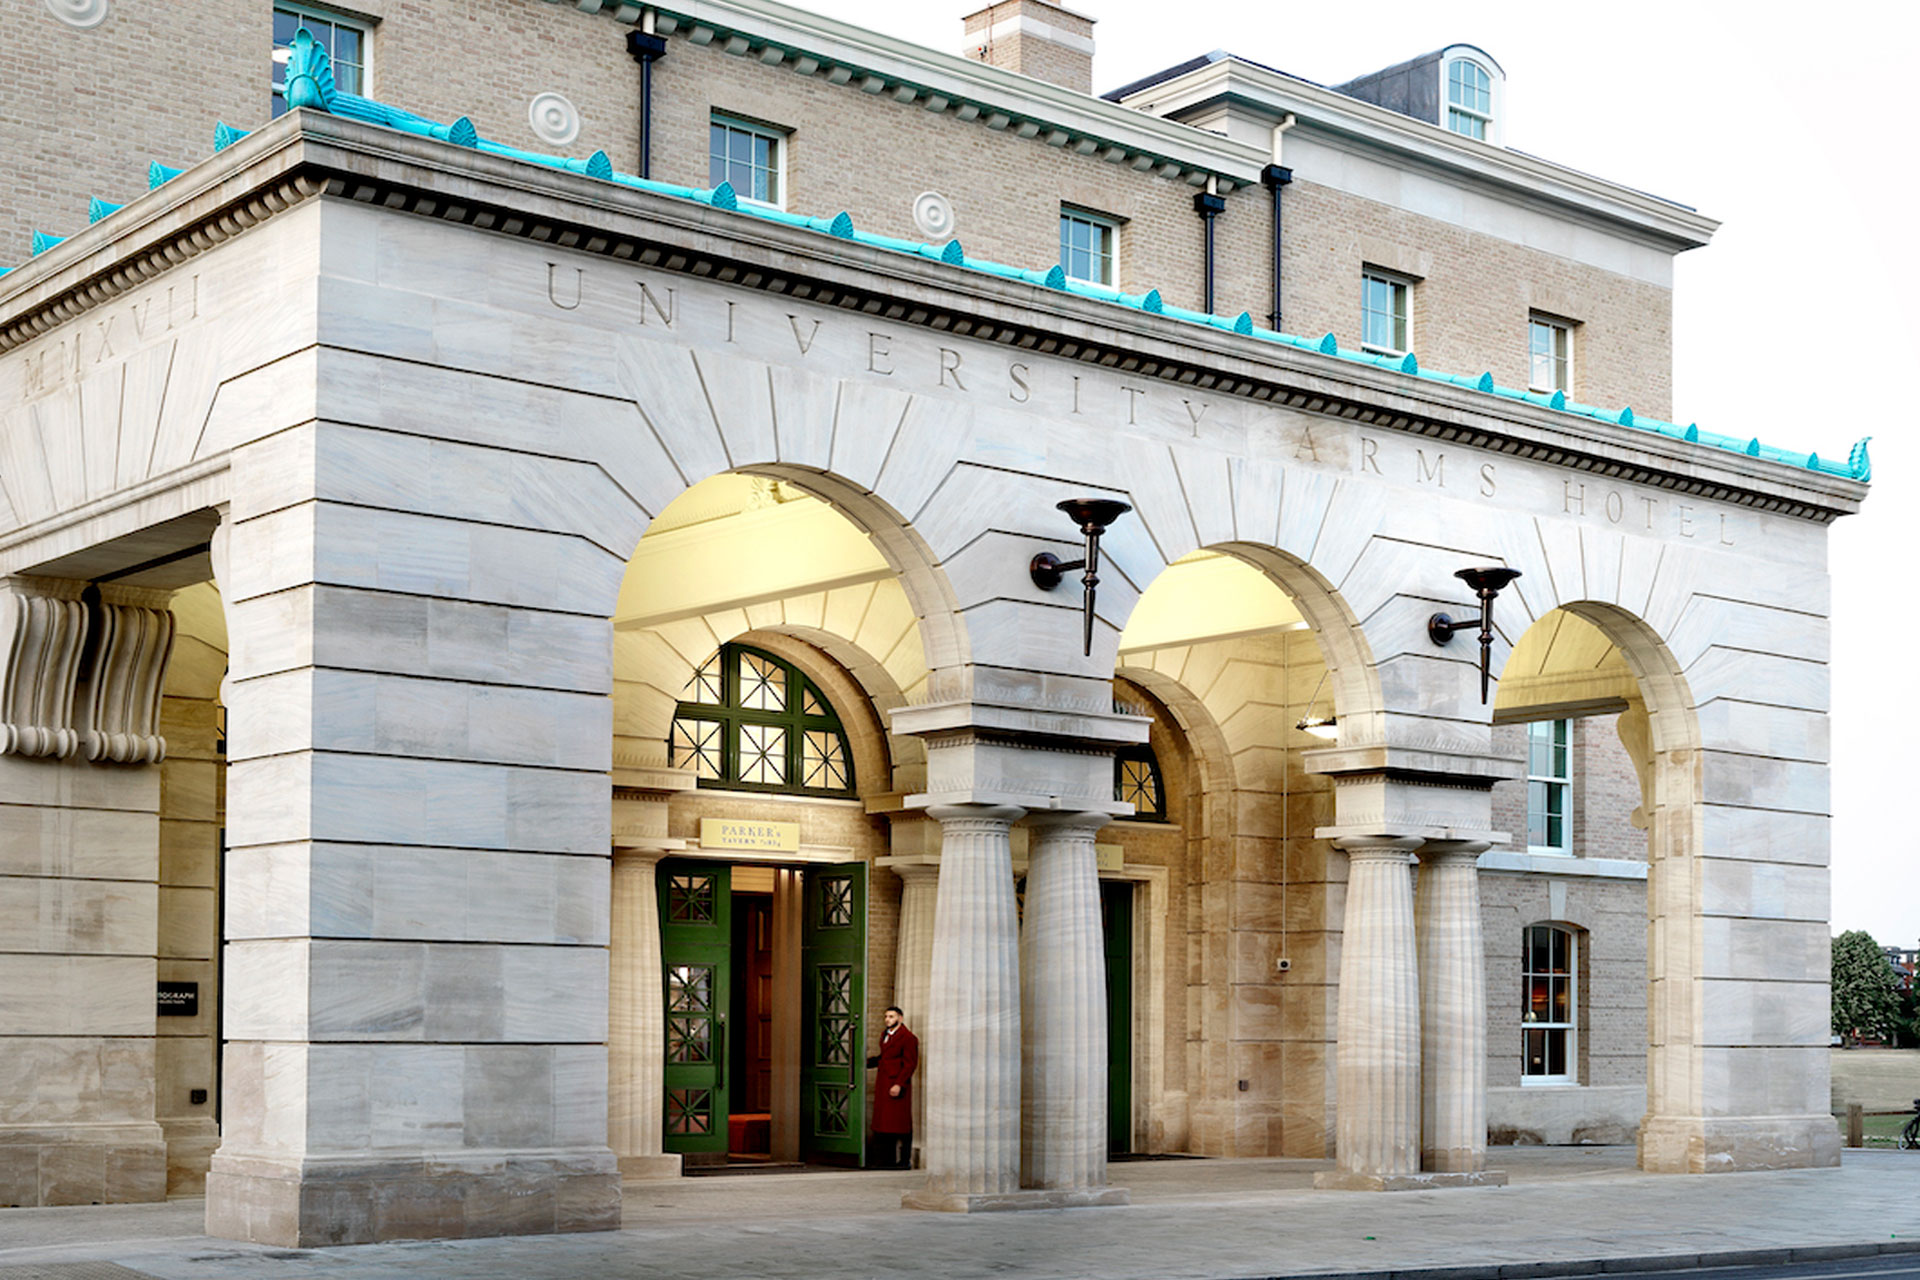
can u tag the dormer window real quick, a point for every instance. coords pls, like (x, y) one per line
(1469, 98)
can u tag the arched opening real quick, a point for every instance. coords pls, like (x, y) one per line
(763, 631)
(1231, 650)
(1594, 701)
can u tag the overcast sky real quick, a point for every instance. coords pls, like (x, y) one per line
(1791, 126)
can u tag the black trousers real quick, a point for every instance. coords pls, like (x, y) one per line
(890, 1151)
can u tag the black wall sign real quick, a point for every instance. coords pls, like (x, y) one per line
(179, 999)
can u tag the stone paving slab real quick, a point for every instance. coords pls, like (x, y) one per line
(1579, 1210)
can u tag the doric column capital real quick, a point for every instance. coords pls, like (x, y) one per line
(1450, 851)
(912, 870)
(1068, 821)
(975, 817)
(1379, 848)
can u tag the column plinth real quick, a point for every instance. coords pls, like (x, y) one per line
(1453, 1011)
(1063, 1013)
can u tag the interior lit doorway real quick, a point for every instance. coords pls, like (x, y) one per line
(765, 991)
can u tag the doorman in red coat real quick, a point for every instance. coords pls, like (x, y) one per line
(898, 1059)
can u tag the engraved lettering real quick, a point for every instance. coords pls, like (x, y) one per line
(879, 347)
(1616, 506)
(1076, 393)
(730, 322)
(1486, 479)
(1572, 497)
(1649, 502)
(1195, 416)
(553, 287)
(1437, 473)
(193, 302)
(649, 299)
(1725, 541)
(1369, 450)
(1307, 444)
(141, 310)
(1133, 399)
(950, 364)
(106, 339)
(1686, 520)
(1019, 393)
(805, 344)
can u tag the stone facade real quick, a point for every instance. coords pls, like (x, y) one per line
(373, 499)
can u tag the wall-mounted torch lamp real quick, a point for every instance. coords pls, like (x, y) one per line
(1486, 584)
(1093, 515)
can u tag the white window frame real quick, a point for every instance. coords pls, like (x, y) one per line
(313, 17)
(778, 140)
(1531, 1024)
(1108, 231)
(1550, 781)
(1457, 111)
(1399, 287)
(1560, 363)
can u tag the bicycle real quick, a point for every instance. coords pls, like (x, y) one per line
(1910, 1135)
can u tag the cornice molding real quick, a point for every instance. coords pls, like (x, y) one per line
(305, 155)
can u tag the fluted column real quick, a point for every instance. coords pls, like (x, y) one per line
(1377, 1056)
(1453, 1008)
(913, 964)
(636, 1023)
(972, 1147)
(1063, 1009)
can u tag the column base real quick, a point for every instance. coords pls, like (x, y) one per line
(1737, 1144)
(450, 1195)
(649, 1168)
(1008, 1201)
(65, 1164)
(191, 1142)
(1425, 1180)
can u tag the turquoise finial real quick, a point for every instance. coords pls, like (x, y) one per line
(225, 135)
(1813, 462)
(98, 209)
(1753, 447)
(1692, 433)
(1151, 304)
(598, 166)
(1559, 400)
(309, 73)
(953, 253)
(724, 197)
(1409, 364)
(1056, 277)
(1626, 417)
(43, 242)
(1485, 383)
(1858, 462)
(841, 228)
(1330, 345)
(461, 133)
(1243, 323)
(158, 174)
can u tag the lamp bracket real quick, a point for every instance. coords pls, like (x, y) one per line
(1047, 570)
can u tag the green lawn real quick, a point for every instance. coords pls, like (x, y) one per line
(1881, 1131)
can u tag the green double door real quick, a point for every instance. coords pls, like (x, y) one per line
(705, 996)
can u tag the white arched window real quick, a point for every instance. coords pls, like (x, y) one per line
(1549, 1004)
(1469, 98)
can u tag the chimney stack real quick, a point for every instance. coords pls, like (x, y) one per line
(1036, 39)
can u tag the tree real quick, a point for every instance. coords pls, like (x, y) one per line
(1866, 994)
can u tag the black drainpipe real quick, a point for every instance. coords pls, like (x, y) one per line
(644, 48)
(1276, 176)
(1209, 206)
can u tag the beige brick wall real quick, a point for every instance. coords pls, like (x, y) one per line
(1606, 790)
(81, 113)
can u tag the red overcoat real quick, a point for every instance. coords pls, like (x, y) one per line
(899, 1058)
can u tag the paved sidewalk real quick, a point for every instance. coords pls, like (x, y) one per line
(1227, 1219)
